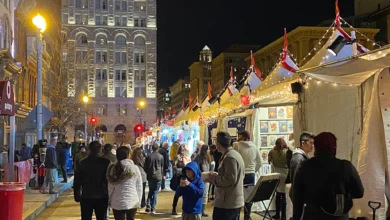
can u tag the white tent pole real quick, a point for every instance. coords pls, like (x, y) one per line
(354, 44)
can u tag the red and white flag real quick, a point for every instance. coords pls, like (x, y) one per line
(232, 83)
(288, 65)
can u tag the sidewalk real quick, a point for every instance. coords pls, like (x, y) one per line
(34, 202)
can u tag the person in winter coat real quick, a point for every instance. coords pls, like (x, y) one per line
(300, 154)
(63, 157)
(252, 160)
(203, 161)
(50, 166)
(216, 156)
(139, 160)
(124, 186)
(164, 152)
(192, 189)
(25, 152)
(174, 151)
(197, 151)
(229, 181)
(79, 156)
(278, 158)
(108, 153)
(90, 184)
(154, 168)
(320, 179)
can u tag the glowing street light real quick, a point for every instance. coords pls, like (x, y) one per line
(39, 22)
(141, 103)
(85, 99)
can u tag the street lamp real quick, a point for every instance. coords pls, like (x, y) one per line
(141, 103)
(85, 100)
(40, 23)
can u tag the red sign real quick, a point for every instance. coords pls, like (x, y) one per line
(7, 106)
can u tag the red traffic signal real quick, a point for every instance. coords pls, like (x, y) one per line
(138, 128)
(93, 121)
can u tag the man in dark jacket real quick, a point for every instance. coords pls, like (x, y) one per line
(25, 152)
(164, 152)
(318, 179)
(154, 167)
(50, 166)
(300, 154)
(90, 184)
(63, 157)
(108, 154)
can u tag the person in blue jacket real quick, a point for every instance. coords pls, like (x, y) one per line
(191, 188)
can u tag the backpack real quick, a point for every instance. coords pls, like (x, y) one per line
(337, 201)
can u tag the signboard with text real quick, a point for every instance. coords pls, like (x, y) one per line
(7, 106)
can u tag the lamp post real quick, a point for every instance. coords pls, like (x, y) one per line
(85, 100)
(141, 105)
(40, 23)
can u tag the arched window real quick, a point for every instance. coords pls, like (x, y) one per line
(139, 41)
(7, 34)
(120, 40)
(101, 40)
(82, 40)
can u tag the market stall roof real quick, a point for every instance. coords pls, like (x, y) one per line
(351, 71)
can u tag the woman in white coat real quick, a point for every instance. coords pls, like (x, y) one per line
(124, 186)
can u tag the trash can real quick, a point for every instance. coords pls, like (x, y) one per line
(11, 200)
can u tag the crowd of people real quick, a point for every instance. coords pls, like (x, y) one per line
(322, 186)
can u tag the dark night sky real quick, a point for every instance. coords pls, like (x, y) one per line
(185, 26)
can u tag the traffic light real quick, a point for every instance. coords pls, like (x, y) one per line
(93, 120)
(138, 128)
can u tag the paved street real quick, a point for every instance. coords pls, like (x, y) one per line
(66, 209)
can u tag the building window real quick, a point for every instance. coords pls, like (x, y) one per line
(102, 109)
(104, 4)
(120, 75)
(139, 6)
(101, 57)
(64, 3)
(82, 75)
(120, 40)
(101, 4)
(139, 58)
(101, 91)
(81, 56)
(139, 22)
(98, 20)
(120, 57)
(120, 92)
(85, 19)
(139, 92)
(123, 110)
(64, 18)
(140, 75)
(121, 5)
(187, 86)
(78, 19)
(101, 40)
(78, 3)
(101, 74)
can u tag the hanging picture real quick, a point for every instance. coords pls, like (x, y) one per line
(282, 126)
(290, 112)
(271, 140)
(264, 156)
(264, 140)
(290, 127)
(272, 113)
(264, 127)
(265, 169)
(273, 127)
(281, 112)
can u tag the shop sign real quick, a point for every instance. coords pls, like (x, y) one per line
(7, 101)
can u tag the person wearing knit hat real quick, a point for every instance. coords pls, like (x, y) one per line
(321, 182)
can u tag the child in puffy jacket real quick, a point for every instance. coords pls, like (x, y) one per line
(191, 188)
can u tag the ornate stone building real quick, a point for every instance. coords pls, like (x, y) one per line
(200, 74)
(301, 42)
(234, 56)
(110, 50)
(179, 93)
